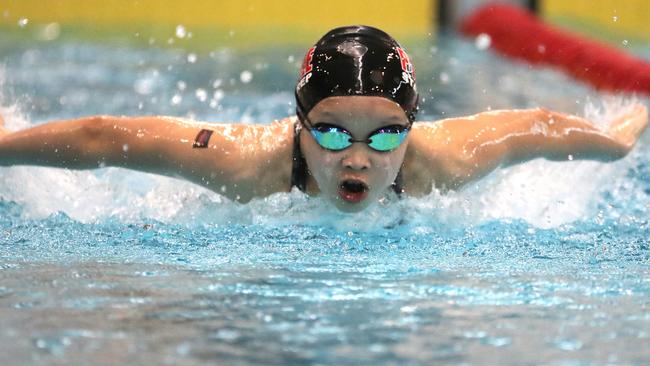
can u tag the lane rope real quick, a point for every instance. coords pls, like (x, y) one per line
(519, 34)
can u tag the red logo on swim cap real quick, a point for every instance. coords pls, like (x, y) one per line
(406, 61)
(306, 63)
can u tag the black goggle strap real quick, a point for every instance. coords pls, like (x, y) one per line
(300, 111)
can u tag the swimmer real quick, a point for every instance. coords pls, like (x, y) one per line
(354, 139)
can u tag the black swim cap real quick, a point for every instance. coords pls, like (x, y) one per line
(356, 60)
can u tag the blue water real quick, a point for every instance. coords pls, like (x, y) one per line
(543, 263)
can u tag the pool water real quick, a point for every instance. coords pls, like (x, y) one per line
(542, 263)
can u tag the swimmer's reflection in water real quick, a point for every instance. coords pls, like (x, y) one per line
(354, 138)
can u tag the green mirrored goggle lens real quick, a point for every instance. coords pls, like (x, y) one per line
(332, 138)
(386, 141)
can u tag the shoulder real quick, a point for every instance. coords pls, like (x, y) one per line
(265, 153)
(435, 156)
(422, 158)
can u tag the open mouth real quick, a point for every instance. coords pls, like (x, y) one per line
(352, 190)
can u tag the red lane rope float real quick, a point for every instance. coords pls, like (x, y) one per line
(519, 34)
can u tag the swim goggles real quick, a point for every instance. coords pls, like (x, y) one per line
(337, 138)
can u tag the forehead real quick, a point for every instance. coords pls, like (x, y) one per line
(349, 111)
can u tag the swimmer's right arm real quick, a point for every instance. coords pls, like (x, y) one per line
(237, 161)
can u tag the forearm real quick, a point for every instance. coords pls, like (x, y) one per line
(71, 144)
(556, 136)
(141, 143)
(516, 136)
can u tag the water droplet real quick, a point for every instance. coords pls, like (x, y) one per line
(444, 78)
(49, 32)
(176, 99)
(201, 94)
(570, 157)
(246, 76)
(291, 59)
(218, 95)
(191, 58)
(125, 147)
(483, 41)
(143, 86)
(625, 42)
(180, 31)
(615, 18)
(22, 22)
(216, 83)
(181, 85)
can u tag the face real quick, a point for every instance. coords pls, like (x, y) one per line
(354, 177)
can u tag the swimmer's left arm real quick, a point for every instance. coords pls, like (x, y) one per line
(468, 148)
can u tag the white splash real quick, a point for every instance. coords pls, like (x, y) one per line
(483, 41)
(543, 193)
(246, 76)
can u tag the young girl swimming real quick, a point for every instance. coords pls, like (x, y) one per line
(354, 138)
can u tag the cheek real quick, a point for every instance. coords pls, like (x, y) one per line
(321, 164)
(389, 164)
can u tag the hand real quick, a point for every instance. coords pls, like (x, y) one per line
(628, 126)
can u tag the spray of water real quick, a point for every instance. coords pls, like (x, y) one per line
(543, 193)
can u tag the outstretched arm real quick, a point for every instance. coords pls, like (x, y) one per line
(461, 150)
(232, 163)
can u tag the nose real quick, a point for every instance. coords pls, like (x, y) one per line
(356, 157)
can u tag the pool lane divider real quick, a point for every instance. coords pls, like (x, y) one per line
(517, 33)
